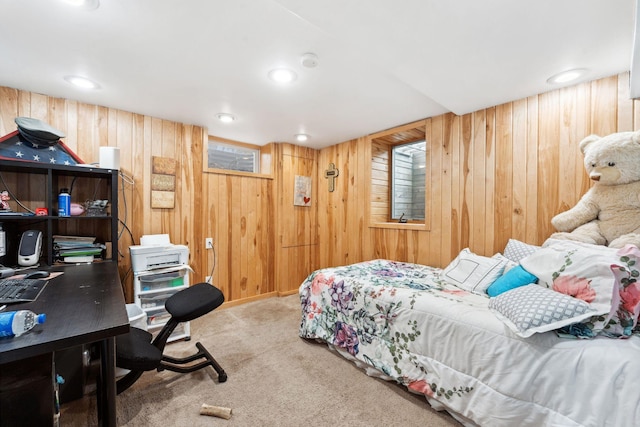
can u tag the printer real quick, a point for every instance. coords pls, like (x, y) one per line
(152, 257)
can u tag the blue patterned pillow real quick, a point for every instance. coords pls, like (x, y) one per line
(532, 309)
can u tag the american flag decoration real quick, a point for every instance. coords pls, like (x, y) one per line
(15, 147)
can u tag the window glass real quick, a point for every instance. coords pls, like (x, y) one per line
(408, 169)
(222, 155)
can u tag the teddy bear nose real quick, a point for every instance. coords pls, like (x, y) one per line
(595, 177)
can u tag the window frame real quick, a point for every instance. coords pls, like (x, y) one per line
(379, 188)
(264, 162)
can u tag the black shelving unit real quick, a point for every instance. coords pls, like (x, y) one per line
(40, 183)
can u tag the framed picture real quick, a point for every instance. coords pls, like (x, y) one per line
(302, 191)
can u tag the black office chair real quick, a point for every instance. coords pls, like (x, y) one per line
(137, 352)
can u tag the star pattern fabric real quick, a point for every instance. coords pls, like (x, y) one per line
(17, 148)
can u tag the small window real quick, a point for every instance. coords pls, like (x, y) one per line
(408, 181)
(221, 155)
(398, 177)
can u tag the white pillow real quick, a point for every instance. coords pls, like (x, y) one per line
(508, 264)
(473, 273)
(580, 270)
(534, 309)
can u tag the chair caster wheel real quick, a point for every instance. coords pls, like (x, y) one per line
(222, 378)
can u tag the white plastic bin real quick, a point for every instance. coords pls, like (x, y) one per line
(137, 319)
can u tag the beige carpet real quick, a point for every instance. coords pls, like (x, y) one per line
(275, 379)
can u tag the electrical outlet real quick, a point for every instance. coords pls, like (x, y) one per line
(207, 279)
(208, 243)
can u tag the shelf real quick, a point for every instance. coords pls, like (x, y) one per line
(44, 168)
(36, 185)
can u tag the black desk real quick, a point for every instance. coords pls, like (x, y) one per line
(84, 305)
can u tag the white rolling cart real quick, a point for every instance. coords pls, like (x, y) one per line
(158, 273)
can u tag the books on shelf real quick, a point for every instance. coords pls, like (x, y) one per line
(80, 239)
(74, 249)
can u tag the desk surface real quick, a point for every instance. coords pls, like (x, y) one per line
(84, 305)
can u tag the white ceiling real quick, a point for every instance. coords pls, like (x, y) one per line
(382, 63)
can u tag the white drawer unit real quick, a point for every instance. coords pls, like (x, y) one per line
(152, 288)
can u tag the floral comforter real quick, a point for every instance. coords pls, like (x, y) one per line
(404, 323)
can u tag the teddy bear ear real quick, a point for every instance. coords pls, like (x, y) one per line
(588, 141)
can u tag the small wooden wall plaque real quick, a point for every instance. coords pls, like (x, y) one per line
(163, 182)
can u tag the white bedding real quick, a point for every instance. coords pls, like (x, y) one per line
(436, 339)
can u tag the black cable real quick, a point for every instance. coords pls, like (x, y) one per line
(73, 181)
(124, 224)
(124, 227)
(13, 196)
(124, 202)
(123, 279)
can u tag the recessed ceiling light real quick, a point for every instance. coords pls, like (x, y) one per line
(567, 76)
(82, 82)
(301, 137)
(226, 117)
(282, 75)
(84, 4)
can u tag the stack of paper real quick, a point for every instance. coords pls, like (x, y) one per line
(76, 248)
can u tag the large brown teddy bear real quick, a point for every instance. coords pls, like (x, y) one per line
(609, 213)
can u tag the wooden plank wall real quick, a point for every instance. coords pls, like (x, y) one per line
(235, 210)
(496, 173)
(297, 226)
(89, 127)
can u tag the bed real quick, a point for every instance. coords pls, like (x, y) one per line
(570, 357)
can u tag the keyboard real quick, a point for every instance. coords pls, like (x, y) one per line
(20, 290)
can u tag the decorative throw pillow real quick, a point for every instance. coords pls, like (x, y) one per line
(473, 273)
(514, 278)
(627, 272)
(508, 264)
(516, 250)
(531, 309)
(583, 271)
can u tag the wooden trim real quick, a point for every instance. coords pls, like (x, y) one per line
(396, 129)
(233, 142)
(399, 226)
(235, 302)
(237, 173)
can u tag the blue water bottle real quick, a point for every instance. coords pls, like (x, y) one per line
(16, 323)
(64, 203)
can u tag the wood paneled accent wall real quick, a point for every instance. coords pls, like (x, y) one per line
(238, 214)
(297, 226)
(380, 182)
(89, 127)
(235, 210)
(496, 173)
